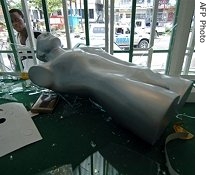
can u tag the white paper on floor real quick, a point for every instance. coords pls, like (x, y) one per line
(17, 129)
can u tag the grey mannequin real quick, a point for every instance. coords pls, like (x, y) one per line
(140, 100)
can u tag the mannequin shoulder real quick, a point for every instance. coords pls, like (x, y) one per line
(76, 53)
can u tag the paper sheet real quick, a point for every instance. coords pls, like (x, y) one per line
(17, 129)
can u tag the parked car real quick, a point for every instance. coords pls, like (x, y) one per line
(143, 26)
(121, 35)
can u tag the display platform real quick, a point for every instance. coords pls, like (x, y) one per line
(81, 137)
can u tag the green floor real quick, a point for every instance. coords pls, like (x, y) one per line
(78, 129)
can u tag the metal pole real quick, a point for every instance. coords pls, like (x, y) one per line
(111, 26)
(46, 16)
(86, 22)
(65, 13)
(107, 26)
(132, 30)
(29, 29)
(152, 33)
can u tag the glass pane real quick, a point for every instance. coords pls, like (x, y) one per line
(164, 24)
(5, 62)
(140, 60)
(192, 66)
(159, 62)
(122, 21)
(189, 70)
(188, 67)
(122, 56)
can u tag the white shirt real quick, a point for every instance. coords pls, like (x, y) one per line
(25, 53)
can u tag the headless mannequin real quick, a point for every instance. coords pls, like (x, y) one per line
(137, 98)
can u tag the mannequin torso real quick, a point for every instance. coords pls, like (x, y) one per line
(136, 97)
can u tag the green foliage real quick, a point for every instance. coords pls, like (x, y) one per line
(12, 5)
(52, 5)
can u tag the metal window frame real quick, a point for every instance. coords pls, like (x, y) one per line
(173, 65)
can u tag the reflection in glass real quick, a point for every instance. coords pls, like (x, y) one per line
(115, 159)
(97, 164)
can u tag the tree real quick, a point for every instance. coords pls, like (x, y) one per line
(52, 5)
(12, 4)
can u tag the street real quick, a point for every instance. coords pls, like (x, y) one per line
(158, 59)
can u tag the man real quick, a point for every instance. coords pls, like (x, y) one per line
(22, 39)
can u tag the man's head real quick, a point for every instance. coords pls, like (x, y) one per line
(17, 19)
